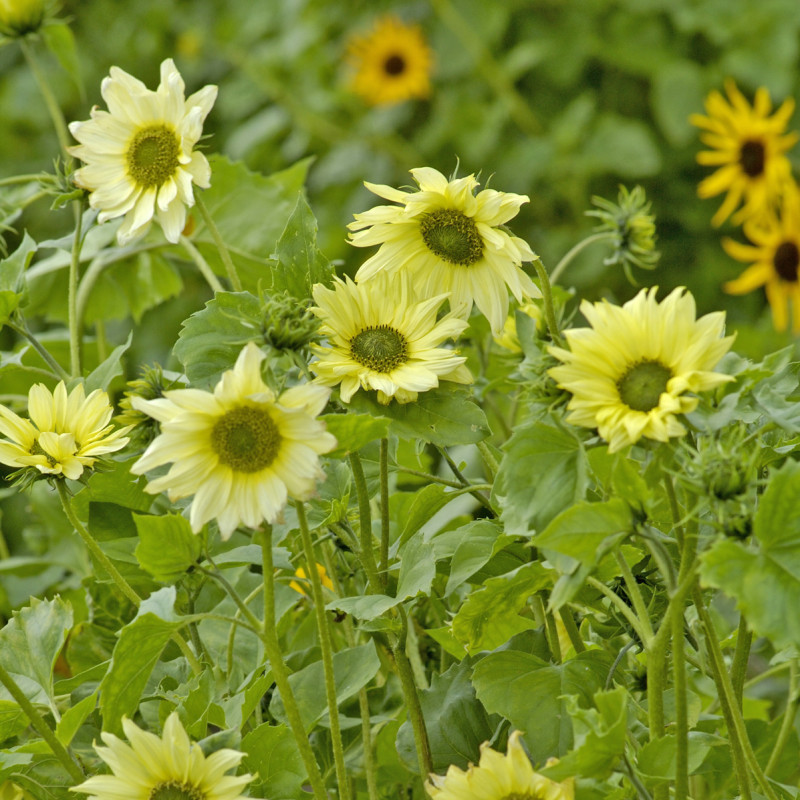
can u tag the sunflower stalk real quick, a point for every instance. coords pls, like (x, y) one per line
(202, 265)
(571, 254)
(224, 253)
(547, 300)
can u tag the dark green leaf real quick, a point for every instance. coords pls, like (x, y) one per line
(101, 376)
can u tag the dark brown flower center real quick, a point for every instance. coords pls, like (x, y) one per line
(786, 261)
(751, 158)
(642, 385)
(394, 65)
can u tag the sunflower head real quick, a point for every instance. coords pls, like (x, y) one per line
(166, 767)
(139, 157)
(637, 368)
(499, 777)
(150, 386)
(302, 583)
(749, 147)
(21, 17)
(391, 63)
(289, 323)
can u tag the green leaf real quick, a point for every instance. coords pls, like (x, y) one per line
(425, 503)
(74, 717)
(622, 146)
(298, 264)
(587, 531)
(530, 694)
(12, 270)
(481, 540)
(167, 546)
(417, 568)
(657, 759)
(489, 618)
(353, 669)
(271, 754)
(542, 473)
(60, 41)
(138, 648)
(676, 93)
(12, 720)
(457, 723)
(211, 339)
(30, 643)
(101, 376)
(443, 416)
(765, 583)
(353, 431)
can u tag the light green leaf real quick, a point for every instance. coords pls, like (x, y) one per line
(417, 568)
(480, 539)
(12, 720)
(657, 759)
(61, 42)
(101, 376)
(74, 717)
(676, 93)
(167, 546)
(622, 146)
(12, 270)
(353, 431)
(271, 753)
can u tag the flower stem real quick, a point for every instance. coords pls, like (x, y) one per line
(42, 728)
(570, 255)
(75, 326)
(202, 265)
(366, 738)
(385, 531)
(281, 672)
(22, 330)
(572, 629)
(465, 484)
(547, 298)
(326, 647)
(744, 639)
(681, 718)
(367, 554)
(635, 595)
(488, 459)
(224, 253)
(623, 608)
(787, 724)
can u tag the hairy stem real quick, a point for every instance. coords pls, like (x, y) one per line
(224, 253)
(570, 255)
(385, 532)
(547, 299)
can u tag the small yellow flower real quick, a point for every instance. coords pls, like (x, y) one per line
(167, 767)
(390, 64)
(239, 450)
(629, 373)
(499, 777)
(65, 433)
(382, 337)
(139, 155)
(509, 339)
(451, 241)
(302, 585)
(749, 149)
(774, 257)
(18, 17)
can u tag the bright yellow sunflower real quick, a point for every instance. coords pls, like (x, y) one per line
(749, 148)
(774, 257)
(382, 337)
(240, 451)
(139, 155)
(630, 372)
(499, 777)
(451, 241)
(167, 767)
(391, 63)
(65, 434)
(302, 583)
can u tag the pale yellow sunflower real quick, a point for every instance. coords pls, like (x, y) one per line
(451, 241)
(391, 63)
(65, 433)
(629, 373)
(382, 337)
(167, 767)
(774, 257)
(139, 155)
(10, 791)
(749, 148)
(239, 450)
(499, 777)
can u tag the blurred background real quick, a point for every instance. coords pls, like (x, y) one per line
(557, 99)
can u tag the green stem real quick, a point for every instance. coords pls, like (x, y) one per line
(787, 724)
(744, 639)
(623, 608)
(23, 331)
(572, 629)
(366, 738)
(570, 255)
(428, 476)
(367, 548)
(326, 647)
(551, 632)
(41, 177)
(75, 323)
(113, 572)
(635, 595)
(224, 253)
(42, 728)
(465, 484)
(202, 265)
(547, 299)
(489, 459)
(281, 672)
(681, 717)
(385, 530)
(241, 605)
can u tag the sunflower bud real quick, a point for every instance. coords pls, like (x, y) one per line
(150, 386)
(288, 323)
(20, 17)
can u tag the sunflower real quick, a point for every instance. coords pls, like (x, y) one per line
(774, 256)
(167, 767)
(749, 148)
(65, 432)
(238, 450)
(499, 777)
(302, 583)
(390, 64)
(629, 373)
(380, 336)
(139, 154)
(450, 240)
(20, 17)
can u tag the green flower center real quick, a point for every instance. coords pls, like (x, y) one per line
(642, 385)
(176, 791)
(786, 261)
(246, 439)
(379, 347)
(751, 158)
(152, 156)
(452, 236)
(394, 65)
